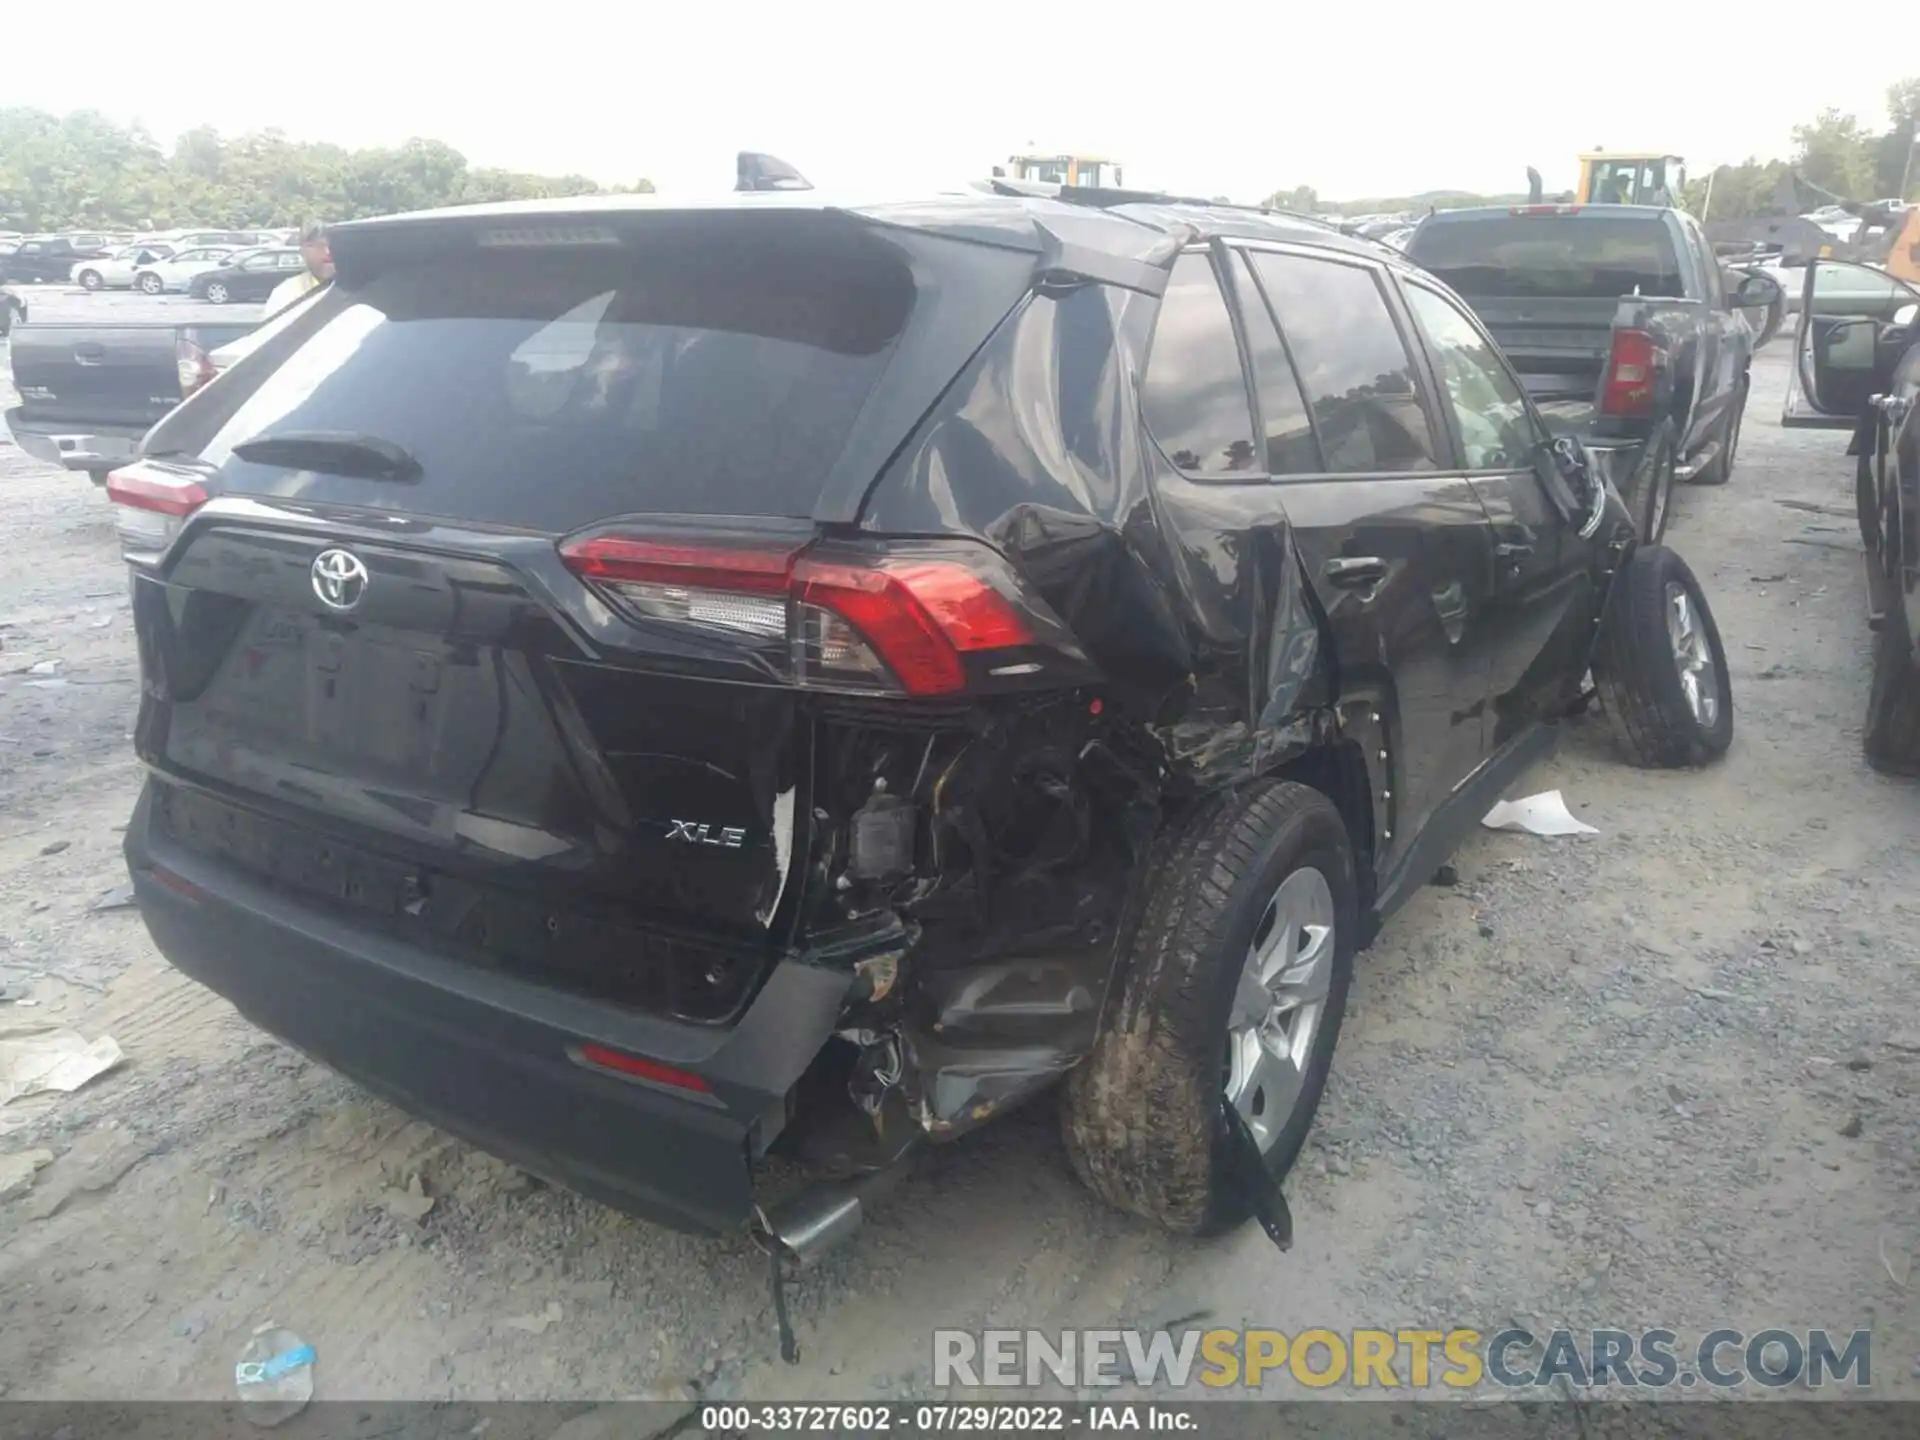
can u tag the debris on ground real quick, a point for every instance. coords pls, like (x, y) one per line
(1446, 877)
(412, 1203)
(17, 1171)
(274, 1375)
(54, 847)
(535, 1324)
(120, 897)
(1542, 814)
(94, 1165)
(37, 1057)
(1851, 1130)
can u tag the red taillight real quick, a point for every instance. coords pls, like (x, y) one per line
(1632, 369)
(919, 616)
(195, 366)
(895, 623)
(642, 1068)
(150, 505)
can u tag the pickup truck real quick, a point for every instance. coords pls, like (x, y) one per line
(45, 257)
(1623, 326)
(88, 393)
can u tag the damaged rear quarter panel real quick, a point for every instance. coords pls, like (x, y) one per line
(1191, 602)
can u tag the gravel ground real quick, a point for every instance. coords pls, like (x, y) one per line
(1659, 1076)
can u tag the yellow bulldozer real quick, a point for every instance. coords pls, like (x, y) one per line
(1062, 169)
(1630, 177)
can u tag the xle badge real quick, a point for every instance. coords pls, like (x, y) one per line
(693, 833)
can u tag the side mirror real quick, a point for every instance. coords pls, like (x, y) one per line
(1907, 316)
(1755, 292)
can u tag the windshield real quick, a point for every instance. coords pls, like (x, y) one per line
(1574, 256)
(545, 389)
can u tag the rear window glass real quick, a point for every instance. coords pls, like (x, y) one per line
(1575, 256)
(551, 388)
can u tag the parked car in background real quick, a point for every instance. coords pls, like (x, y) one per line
(231, 239)
(250, 276)
(1624, 327)
(40, 258)
(1131, 623)
(116, 271)
(1858, 369)
(175, 272)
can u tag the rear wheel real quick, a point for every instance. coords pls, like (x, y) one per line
(1660, 667)
(151, 284)
(1649, 492)
(91, 280)
(1233, 989)
(1721, 470)
(217, 294)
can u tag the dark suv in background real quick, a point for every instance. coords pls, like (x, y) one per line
(654, 689)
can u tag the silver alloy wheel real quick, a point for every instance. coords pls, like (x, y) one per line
(1692, 657)
(217, 293)
(1278, 1004)
(151, 284)
(90, 280)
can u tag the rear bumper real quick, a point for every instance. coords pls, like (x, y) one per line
(488, 1057)
(74, 446)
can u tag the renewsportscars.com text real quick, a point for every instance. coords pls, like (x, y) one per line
(1403, 1359)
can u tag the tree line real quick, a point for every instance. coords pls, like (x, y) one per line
(1834, 151)
(83, 171)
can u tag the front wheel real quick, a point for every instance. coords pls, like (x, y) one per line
(217, 294)
(1233, 991)
(151, 284)
(1660, 667)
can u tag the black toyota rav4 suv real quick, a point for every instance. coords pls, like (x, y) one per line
(660, 691)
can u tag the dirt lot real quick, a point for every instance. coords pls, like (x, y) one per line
(1669, 1074)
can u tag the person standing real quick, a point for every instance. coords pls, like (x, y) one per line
(319, 271)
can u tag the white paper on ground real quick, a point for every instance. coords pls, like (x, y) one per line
(1542, 814)
(36, 1058)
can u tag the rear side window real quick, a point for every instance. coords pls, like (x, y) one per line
(1291, 448)
(1352, 363)
(1591, 257)
(552, 388)
(1195, 396)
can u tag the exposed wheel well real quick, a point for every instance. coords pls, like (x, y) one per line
(1339, 771)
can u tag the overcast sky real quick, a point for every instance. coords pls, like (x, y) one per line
(1354, 99)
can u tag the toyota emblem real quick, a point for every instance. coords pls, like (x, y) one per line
(339, 579)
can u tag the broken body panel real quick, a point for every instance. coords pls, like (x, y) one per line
(832, 922)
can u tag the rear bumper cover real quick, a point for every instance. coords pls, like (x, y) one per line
(75, 446)
(488, 1057)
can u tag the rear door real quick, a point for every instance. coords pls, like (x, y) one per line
(1540, 588)
(257, 276)
(1396, 543)
(1840, 358)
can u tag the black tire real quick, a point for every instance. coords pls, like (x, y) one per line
(1649, 490)
(1721, 470)
(91, 280)
(151, 284)
(1892, 740)
(1639, 675)
(1143, 1116)
(217, 294)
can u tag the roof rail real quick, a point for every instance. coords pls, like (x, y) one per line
(1103, 197)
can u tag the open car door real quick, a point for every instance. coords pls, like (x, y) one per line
(1851, 336)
